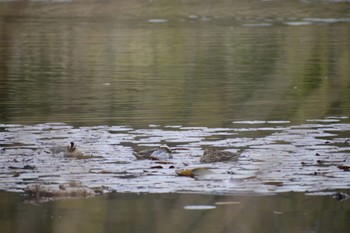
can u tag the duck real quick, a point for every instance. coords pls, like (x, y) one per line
(73, 151)
(160, 153)
(212, 155)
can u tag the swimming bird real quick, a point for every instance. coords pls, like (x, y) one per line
(160, 153)
(212, 155)
(73, 151)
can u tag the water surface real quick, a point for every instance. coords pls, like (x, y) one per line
(271, 77)
(189, 63)
(277, 157)
(293, 212)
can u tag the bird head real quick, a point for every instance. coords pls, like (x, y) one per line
(71, 146)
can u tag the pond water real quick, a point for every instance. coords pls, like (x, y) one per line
(269, 77)
(293, 212)
(189, 63)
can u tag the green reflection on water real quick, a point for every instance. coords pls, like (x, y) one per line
(188, 70)
(291, 212)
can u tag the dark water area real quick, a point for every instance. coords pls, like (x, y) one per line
(269, 77)
(293, 212)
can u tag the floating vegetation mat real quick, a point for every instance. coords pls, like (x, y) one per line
(277, 157)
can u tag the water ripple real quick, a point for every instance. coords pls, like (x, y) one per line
(282, 157)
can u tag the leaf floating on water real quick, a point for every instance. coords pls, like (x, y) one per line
(192, 172)
(199, 207)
